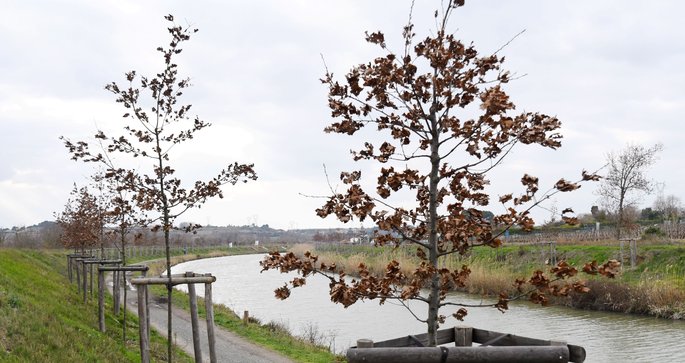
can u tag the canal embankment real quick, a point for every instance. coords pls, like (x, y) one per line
(654, 285)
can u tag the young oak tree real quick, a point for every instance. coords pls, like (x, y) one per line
(625, 178)
(152, 134)
(103, 204)
(440, 148)
(80, 220)
(122, 217)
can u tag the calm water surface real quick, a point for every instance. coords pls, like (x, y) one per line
(607, 337)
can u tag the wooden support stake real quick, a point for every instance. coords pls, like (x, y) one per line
(78, 277)
(101, 300)
(143, 326)
(69, 269)
(90, 268)
(147, 307)
(194, 320)
(85, 282)
(633, 253)
(463, 336)
(364, 343)
(123, 330)
(209, 311)
(115, 290)
(621, 252)
(246, 317)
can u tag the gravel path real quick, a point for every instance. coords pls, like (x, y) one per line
(229, 346)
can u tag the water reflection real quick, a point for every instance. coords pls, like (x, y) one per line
(607, 337)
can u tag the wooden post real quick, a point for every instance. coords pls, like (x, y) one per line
(143, 326)
(101, 300)
(69, 268)
(194, 320)
(115, 290)
(364, 343)
(633, 253)
(463, 336)
(621, 252)
(85, 281)
(147, 307)
(209, 311)
(90, 268)
(246, 317)
(78, 276)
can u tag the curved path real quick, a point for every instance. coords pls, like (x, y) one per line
(229, 346)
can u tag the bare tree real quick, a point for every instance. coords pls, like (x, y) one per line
(122, 216)
(670, 207)
(424, 101)
(152, 134)
(625, 179)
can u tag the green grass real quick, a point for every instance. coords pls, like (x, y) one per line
(44, 319)
(664, 261)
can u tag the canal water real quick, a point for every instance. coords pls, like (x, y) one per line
(607, 337)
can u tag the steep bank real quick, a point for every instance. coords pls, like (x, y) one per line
(44, 319)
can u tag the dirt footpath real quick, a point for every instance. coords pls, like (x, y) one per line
(229, 346)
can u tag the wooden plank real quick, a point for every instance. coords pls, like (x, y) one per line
(96, 261)
(444, 336)
(110, 262)
(123, 268)
(577, 353)
(174, 280)
(508, 354)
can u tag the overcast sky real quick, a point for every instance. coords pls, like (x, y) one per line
(611, 71)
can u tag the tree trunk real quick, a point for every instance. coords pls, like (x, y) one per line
(122, 232)
(166, 225)
(434, 295)
(168, 286)
(621, 218)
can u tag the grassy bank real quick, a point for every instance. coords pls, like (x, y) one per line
(656, 286)
(270, 335)
(44, 319)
